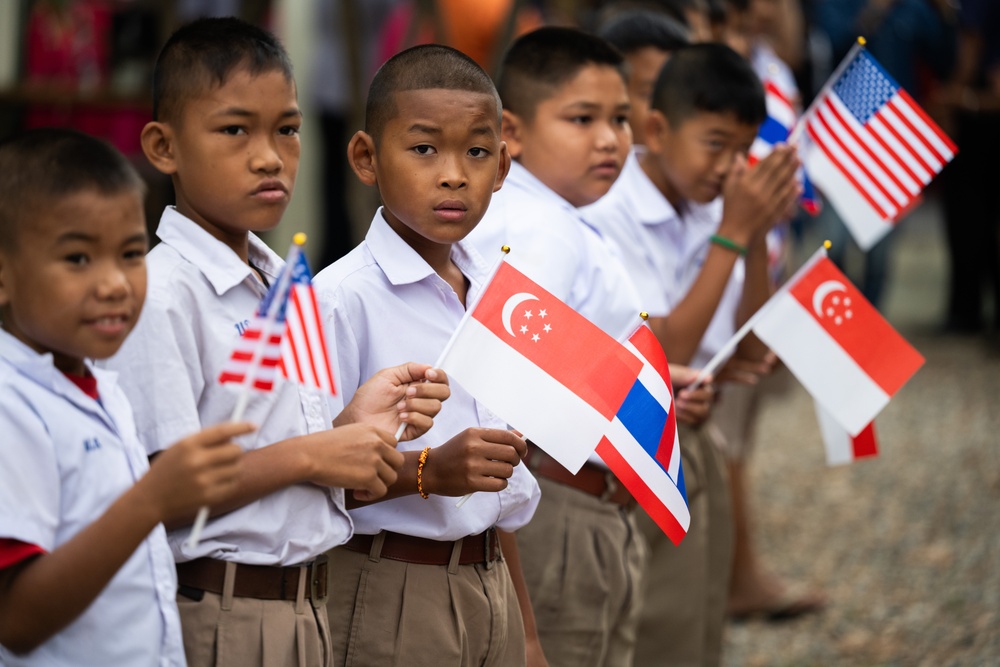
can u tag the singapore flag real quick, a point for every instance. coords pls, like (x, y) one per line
(540, 366)
(837, 344)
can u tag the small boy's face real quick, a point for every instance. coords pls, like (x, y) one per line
(74, 280)
(578, 139)
(437, 163)
(694, 158)
(233, 153)
(644, 66)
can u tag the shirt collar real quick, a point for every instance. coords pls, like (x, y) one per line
(41, 369)
(217, 262)
(522, 179)
(651, 207)
(402, 265)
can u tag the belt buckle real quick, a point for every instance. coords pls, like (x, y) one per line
(487, 551)
(319, 581)
(610, 486)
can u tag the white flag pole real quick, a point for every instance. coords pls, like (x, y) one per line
(800, 125)
(727, 350)
(270, 320)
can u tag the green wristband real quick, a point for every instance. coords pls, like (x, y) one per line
(729, 244)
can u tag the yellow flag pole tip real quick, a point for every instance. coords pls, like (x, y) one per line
(644, 315)
(299, 239)
(827, 244)
(861, 40)
(505, 249)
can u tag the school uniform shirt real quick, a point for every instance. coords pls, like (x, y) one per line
(65, 459)
(200, 297)
(665, 249)
(383, 305)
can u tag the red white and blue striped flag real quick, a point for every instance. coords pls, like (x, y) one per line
(870, 148)
(781, 118)
(285, 335)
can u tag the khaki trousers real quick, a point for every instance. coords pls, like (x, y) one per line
(583, 563)
(227, 631)
(387, 613)
(684, 606)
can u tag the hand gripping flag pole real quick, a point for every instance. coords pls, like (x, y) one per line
(286, 336)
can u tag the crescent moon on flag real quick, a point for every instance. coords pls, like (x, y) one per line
(512, 303)
(823, 291)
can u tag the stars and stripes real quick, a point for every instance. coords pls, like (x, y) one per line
(871, 148)
(285, 335)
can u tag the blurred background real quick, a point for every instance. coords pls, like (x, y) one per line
(906, 545)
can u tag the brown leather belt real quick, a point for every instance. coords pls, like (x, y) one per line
(482, 548)
(261, 582)
(592, 478)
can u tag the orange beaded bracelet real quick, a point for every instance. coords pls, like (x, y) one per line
(420, 472)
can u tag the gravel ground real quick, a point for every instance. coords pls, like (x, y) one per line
(906, 545)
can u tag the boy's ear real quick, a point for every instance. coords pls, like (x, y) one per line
(503, 168)
(361, 157)
(158, 144)
(657, 131)
(511, 132)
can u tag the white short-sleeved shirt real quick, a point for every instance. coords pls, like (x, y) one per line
(200, 297)
(384, 305)
(64, 460)
(664, 250)
(554, 245)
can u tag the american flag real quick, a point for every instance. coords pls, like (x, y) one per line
(870, 148)
(285, 335)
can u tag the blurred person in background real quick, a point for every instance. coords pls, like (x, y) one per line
(968, 107)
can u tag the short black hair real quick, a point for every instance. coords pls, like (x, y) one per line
(538, 63)
(709, 77)
(632, 30)
(422, 67)
(204, 53)
(39, 168)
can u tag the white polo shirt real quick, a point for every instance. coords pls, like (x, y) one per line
(664, 250)
(64, 460)
(383, 305)
(200, 296)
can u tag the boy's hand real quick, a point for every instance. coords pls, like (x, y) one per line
(477, 459)
(756, 199)
(355, 456)
(410, 393)
(693, 405)
(199, 470)
(747, 371)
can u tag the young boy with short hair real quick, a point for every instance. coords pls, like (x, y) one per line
(226, 129)
(692, 219)
(565, 121)
(423, 581)
(86, 575)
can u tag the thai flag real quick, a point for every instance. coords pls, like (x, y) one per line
(870, 148)
(285, 335)
(570, 388)
(781, 118)
(642, 448)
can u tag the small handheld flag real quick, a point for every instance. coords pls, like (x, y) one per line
(869, 146)
(284, 337)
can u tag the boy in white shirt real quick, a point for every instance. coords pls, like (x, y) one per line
(565, 121)
(86, 575)
(692, 219)
(424, 582)
(253, 591)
